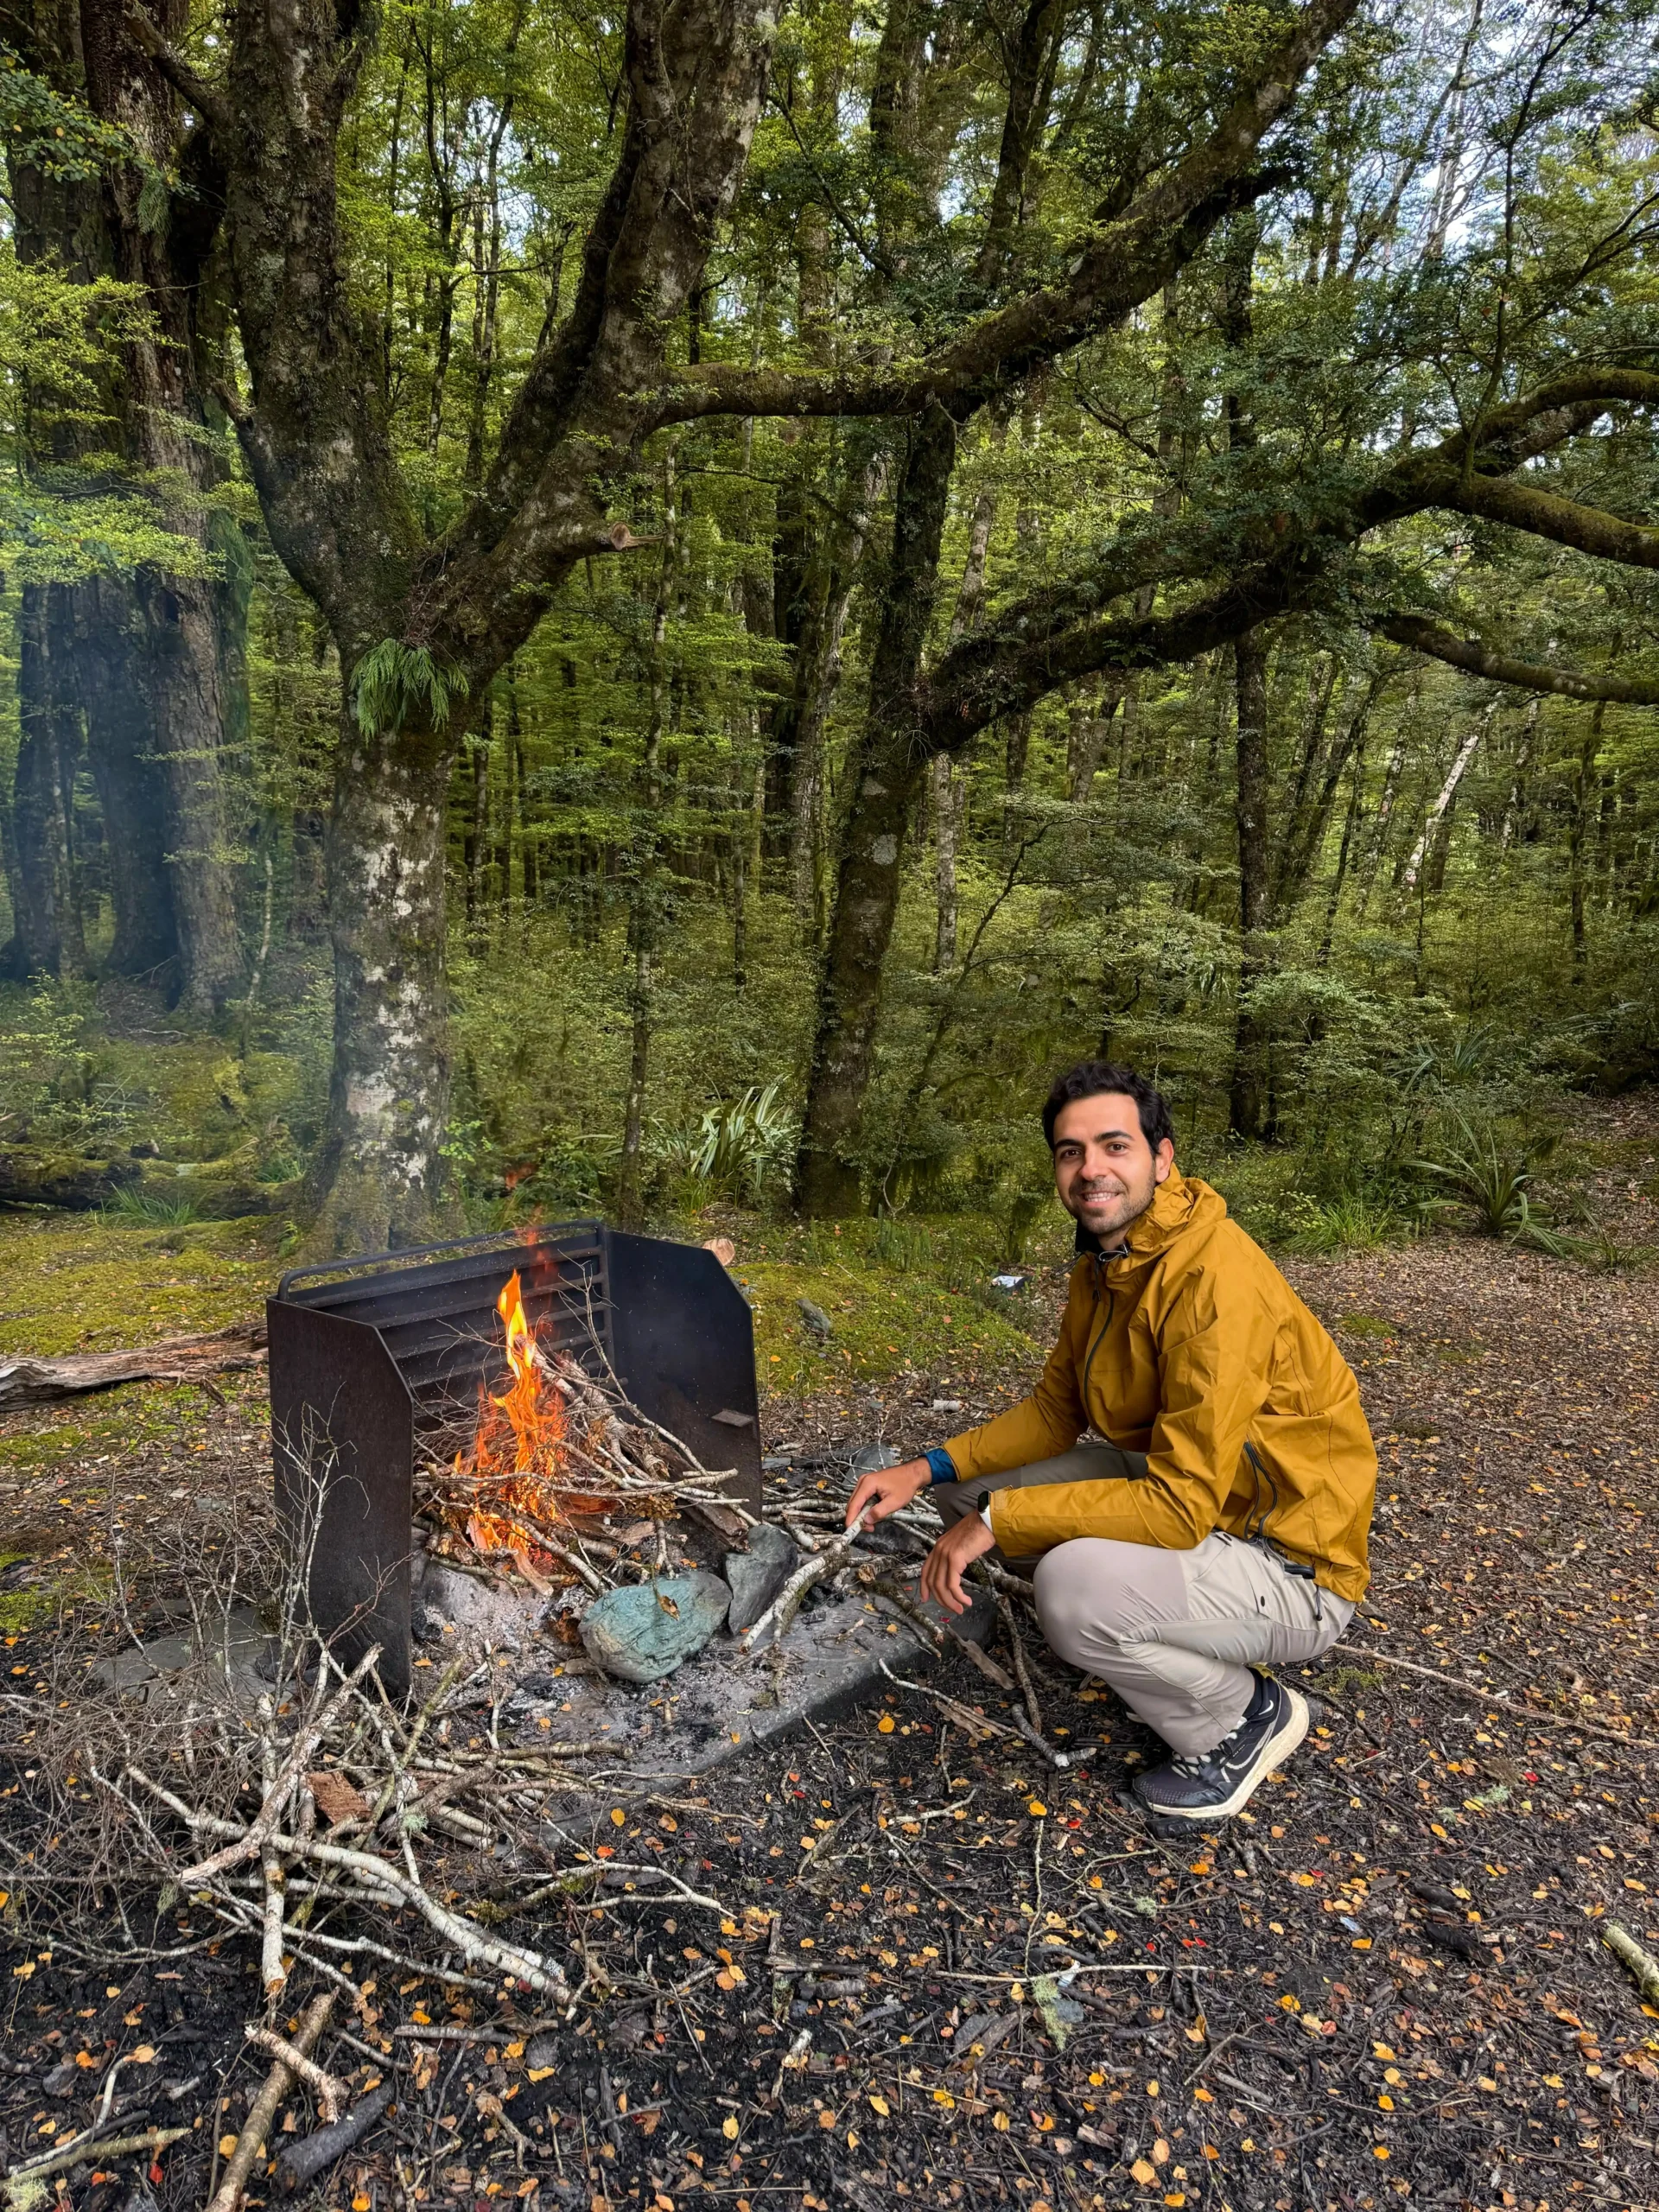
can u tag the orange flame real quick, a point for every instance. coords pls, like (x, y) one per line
(519, 1446)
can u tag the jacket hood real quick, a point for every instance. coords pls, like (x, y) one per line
(1180, 1203)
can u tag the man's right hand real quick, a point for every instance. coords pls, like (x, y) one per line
(884, 1490)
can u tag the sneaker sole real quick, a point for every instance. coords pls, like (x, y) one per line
(1277, 1749)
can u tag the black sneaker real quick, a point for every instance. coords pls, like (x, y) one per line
(1214, 1786)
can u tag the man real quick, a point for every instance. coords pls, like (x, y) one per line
(1215, 1522)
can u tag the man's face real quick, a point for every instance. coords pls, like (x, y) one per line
(1104, 1170)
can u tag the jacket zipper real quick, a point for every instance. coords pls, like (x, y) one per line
(1112, 1307)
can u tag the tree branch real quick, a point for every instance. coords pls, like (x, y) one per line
(1476, 659)
(1547, 514)
(1061, 633)
(1115, 266)
(207, 100)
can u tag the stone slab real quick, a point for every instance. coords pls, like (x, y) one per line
(721, 1704)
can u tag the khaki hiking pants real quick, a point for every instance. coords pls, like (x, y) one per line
(1174, 1633)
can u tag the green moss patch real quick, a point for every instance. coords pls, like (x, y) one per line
(79, 1282)
(882, 1324)
(1366, 1325)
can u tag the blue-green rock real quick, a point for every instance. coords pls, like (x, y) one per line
(646, 1631)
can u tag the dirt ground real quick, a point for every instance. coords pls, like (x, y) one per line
(987, 1983)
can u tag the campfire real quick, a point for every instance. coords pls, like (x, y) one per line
(513, 1394)
(518, 1451)
(586, 1427)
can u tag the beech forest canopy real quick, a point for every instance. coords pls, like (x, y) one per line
(632, 604)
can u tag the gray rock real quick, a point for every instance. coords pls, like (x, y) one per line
(127, 1671)
(646, 1631)
(815, 1318)
(875, 1457)
(757, 1574)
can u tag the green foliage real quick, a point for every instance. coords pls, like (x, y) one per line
(54, 1090)
(153, 1210)
(1488, 1182)
(61, 137)
(739, 1150)
(1354, 1221)
(396, 686)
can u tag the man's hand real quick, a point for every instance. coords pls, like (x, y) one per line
(956, 1550)
(886, 1488)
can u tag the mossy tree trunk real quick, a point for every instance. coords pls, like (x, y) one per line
(380, 1176)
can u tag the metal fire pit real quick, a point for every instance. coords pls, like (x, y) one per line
(369, 1354)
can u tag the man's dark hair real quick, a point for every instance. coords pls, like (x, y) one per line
(1091, 1078)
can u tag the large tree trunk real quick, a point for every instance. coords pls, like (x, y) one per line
(380, 1176)
(183, 615)
(817, 670)
(949, 803)
(1246, 1096)
(121, 746)
(181, 670)
(885, 779)
(1577, 835)
(43, 923)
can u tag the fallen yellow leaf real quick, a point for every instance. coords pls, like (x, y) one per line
(226, 2146)
(883, 1725)
(880, 2104)
(1144, 2172)
(729, 2127)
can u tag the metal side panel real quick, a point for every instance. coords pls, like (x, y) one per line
(684, 1350)
(341, 1413)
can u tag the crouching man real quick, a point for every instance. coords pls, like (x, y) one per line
(1214, 1523)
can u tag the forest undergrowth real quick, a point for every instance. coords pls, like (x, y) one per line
(934, 1969)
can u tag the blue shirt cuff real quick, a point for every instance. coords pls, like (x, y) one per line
(940, 1466)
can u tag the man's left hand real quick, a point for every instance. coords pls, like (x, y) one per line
(956, 1550)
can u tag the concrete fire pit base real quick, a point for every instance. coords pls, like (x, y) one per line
(718, 1705)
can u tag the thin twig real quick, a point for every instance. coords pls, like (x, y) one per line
(1474, 1691)
(1034, 1710)
(293, 1767)
(330, 2091)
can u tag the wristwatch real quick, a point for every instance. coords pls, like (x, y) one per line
(983, 1504)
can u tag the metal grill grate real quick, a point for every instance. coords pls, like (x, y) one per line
(369, 1353)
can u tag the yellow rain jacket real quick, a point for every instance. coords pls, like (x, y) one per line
(1189, 1349)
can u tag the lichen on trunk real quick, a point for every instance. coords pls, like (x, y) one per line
(381, 1176)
